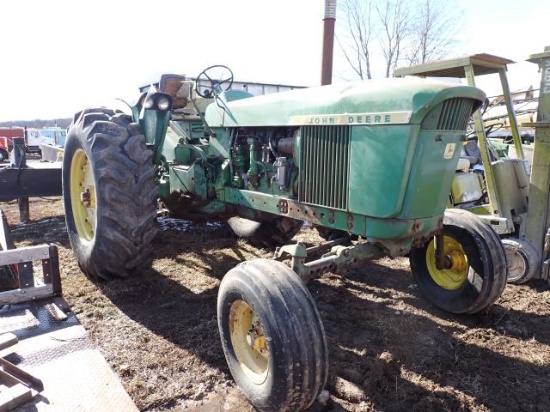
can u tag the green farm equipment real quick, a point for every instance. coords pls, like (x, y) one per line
(370, 164)
(510, 195)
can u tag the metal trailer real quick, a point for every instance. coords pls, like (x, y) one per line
(47, 361)
(22, 180)
(11, 133)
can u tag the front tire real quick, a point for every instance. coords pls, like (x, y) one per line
(269, 233)
(109, 194)
(475, 274)
(272, 336)
(523, 260)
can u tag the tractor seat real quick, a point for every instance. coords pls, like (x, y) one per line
(463, 164)
(473, 152)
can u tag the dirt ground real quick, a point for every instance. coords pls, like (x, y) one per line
(390, 350)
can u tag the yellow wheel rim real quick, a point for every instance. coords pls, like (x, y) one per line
(249, 341)
(83, 196)
(456, 268)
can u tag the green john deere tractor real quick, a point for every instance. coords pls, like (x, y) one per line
(370, 164)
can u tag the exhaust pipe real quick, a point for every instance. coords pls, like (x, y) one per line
(328, 41)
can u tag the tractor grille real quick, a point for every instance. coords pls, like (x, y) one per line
(452, 114)
(324, 166)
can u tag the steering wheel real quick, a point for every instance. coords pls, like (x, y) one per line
(493, 128)
(213, 80)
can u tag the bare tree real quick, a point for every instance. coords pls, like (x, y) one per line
(432, 32)
(394, 16)
(355, 46)
(408, 31)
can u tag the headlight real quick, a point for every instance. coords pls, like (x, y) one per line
(157, 101)
(149, 102)
(164, 102)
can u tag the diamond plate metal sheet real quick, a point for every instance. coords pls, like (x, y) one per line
(75, 375)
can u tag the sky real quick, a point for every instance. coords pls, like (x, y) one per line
(60, 56)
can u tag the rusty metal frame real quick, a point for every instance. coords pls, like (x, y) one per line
(23, 258)
(20, 182)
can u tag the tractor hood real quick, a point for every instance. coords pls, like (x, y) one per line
(388, 101)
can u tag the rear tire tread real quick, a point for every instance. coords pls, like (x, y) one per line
(125, 190)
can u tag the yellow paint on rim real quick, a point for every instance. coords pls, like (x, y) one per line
(83, 196)
(249, 341)
(456, 274)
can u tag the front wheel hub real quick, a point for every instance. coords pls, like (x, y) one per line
(249, 341)
(455, 261)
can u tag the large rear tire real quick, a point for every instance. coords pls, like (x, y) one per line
(272, 336)
(269, 233)
(475, 273)
(109, 194)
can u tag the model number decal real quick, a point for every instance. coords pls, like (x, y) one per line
(449, 151)
(352, 119)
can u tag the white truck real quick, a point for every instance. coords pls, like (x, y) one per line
(51, 136)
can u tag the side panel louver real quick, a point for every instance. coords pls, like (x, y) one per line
(324, 166)
(452, 115)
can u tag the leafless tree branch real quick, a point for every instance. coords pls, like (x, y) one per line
(407, 32)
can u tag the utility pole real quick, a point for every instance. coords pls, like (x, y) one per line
(328, 41)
